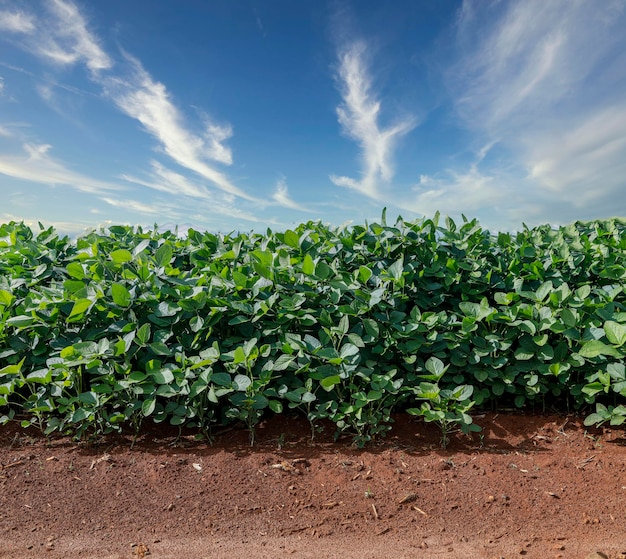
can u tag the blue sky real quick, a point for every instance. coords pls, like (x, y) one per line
(247, 114)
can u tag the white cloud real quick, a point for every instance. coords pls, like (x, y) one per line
(69, 41)
(583, 159)
(45, 92)
(63, 39)
(215, 136)
(547, 81)
(166, 180)
(66, 40)
(282, 198)
(135, 205)
(191, 199)
(149, 102)
(16, 22)
(211, 211)
(38, 166)
(359, 115)
(458, 193)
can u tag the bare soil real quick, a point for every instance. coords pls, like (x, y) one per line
(527, 486)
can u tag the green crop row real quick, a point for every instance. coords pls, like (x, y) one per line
(100, 332)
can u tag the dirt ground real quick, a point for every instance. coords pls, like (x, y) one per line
(527, 486)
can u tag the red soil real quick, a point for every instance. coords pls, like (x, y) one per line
(528, 486)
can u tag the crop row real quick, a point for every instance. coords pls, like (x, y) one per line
(100, 332)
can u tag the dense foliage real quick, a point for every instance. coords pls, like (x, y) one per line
(100, 332)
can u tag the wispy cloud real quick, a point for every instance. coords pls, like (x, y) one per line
(191, 198)
(149, 102)
(69, 41)
(457, 193)
(282, 198)
(16, 22)
(65, 39)
(166, 180)
(219, 210)
(472, 193)
(359, 118)
(584, 159)
(38, 166)
(547, 80)
(135, 205)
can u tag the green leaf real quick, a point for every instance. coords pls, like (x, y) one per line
(263, 271)
(241, 280)
(160, 348)
(329, 383)
(364, 274)
(143, 334)
(582, 292)
(121, 295)
(481, 375)
(308, 266)
(41, 376)
(141, 247)
(428, 391)
(221, 379)
(88, 398)
(21, 321)
(479, 311)
(259, 402)
(356, 340)
(283, 362)
(323, 270)
(163, 376)
(569, 317)
(291, 239)
(348, 350)
(593, 388)
(396, 269)
(80, 415)
(81, 307)
(503, 298)
(13, 369)
(6, 298)
(196, 323)
(276, 406)
(615, 332)
(121, 256)
(372, 328)
(166, 308)
(595, 348)
(148, 406)
(163, 255)
(328, 353)
(435, 366)
(75, 270)
(462, 393)
(523, 354)
(544, 290)
(239, 355)
(241, 383)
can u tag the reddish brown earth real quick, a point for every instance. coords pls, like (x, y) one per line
(530, 486)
